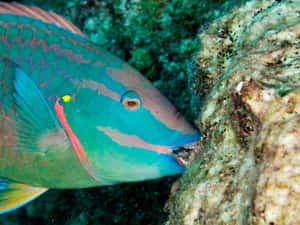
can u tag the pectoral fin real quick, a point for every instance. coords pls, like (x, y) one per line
(33, 121)
(14, 195)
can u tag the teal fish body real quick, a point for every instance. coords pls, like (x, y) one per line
(73, 115)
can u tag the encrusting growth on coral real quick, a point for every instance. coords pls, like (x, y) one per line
(247, 168)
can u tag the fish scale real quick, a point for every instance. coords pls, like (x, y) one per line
(46, 65)
(43, 53)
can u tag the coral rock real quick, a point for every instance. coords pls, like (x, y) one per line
(247, 169)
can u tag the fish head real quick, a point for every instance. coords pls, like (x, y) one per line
(127, 128)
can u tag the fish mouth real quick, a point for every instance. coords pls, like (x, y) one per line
(184, 154)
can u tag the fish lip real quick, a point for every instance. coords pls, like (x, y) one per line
(188, 148)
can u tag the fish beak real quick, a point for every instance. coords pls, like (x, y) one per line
(183, 153)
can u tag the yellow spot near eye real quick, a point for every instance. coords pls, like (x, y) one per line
(66, 98)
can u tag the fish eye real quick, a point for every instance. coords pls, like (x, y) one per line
(130, 100)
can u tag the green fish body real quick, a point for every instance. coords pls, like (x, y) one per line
(72, 115)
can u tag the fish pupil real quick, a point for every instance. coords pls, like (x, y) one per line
(131, 104)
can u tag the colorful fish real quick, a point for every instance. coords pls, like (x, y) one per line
(73, 115)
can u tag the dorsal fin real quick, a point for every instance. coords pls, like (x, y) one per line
(39, 14)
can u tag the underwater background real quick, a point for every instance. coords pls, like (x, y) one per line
(159, 38)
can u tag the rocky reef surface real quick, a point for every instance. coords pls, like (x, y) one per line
(159, 38)
(247, 169)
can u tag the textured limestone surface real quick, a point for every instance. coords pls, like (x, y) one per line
(247, 169)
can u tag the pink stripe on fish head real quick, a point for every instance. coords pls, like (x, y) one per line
(159, 106)
(131, 140)
(100, 88)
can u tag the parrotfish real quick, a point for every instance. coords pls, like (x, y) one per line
(73, 115)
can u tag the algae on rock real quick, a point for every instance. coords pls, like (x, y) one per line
(247, 169)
